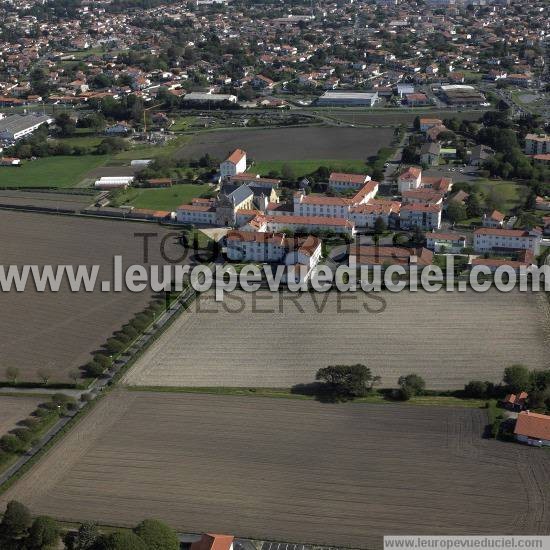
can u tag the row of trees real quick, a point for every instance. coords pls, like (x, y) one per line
(122, 338)
(19, 531)
(29, 430)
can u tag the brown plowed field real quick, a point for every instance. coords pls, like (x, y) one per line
(58, 331)
(15, 409)
(315, 142)
(447, 338)
(290, 470)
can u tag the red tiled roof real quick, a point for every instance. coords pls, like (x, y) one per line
(213, 542)
(501, 232)
(497, 216)
(351, 178)
(310, 220)
(534, 425)
(410, 173)
(392, 255)
(236, 156)
(418, 207)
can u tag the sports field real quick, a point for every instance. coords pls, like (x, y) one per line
(58, 331)
(297, 471)
(62, 171)
(161, 199)
(279, 340)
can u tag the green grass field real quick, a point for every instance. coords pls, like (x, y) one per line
(303, 167)
(161, 199)
(145, 151)
(50, 171)
(511, 193)
(82, 140)
(183, 123)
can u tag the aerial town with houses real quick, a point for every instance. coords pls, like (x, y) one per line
(277, 136)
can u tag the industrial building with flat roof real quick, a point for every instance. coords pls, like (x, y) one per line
(15, 127)
(459, 94)
(352, 99)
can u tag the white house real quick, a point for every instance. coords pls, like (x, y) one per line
(234, 164)
(409, 179)
(494, 219)
(197, 213)
(533, 429)
(488, 239)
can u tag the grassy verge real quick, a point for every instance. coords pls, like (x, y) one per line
(286, 393)
(301, 168)
(82, 413)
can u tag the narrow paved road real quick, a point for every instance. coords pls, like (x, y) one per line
(96, 387)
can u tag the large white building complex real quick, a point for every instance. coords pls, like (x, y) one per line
(251, 203)
(300, 253)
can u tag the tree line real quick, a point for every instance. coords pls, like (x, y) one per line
(20, 531)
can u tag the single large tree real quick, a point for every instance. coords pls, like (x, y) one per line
(346, 381)
(517, 378)
(43, 534)
(15, 522)
(157, 535)
(121, 540)
(410, 385)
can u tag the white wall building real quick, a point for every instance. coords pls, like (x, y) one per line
(300, 254)
(234, 164)
(425, 216)
(15, 127)
(487, 239)
(409, 179)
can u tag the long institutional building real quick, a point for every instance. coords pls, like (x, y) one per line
(251, 203)
(15, 127)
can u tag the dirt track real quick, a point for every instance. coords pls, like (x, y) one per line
(15, 409)
(290, 470)
(448, 339)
